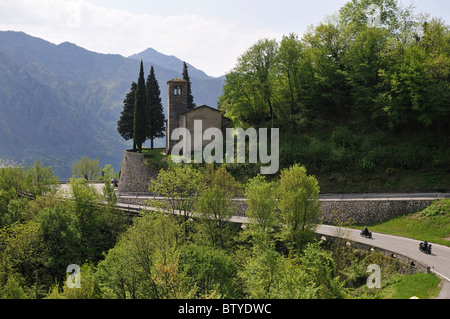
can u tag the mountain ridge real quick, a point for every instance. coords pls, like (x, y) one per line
(72, 99)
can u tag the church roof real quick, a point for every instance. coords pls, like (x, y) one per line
(177, 80)
(199, 107)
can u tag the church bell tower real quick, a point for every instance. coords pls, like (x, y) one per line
(176, 104)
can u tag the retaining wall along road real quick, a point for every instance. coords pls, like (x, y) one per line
(364, 211)
(409, 265)
(371, 211)
(135, 174)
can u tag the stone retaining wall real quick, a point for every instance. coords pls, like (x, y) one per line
(135, 175)
(366, 211)
(409, 265)
(371, 211)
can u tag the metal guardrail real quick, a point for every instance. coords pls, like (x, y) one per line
(67, 181)
(328, 197)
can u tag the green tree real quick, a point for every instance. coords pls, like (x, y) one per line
(181, 186)
(248, 90)
(24, 250)
(325, 49)
(357, 13)
(289, 100)
(155, 114)
(260, 271)
(62, 234)
(100, 225)
(261, 204)
(321, 268)
(87, 168)
(363, 64)
(89, 288)
(215, 209)
(40, 179)
(11, 282)
(414, 78)
(108, 191)
(144, 262)
(212, 176)
(126, 121)
(140, 114)
(298, 195)
(211, 270)
(186, 77)
(12, 181)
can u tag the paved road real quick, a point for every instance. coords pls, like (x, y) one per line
(438, 260)
(326, 197)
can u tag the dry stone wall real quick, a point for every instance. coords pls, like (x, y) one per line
(370, 211)
(367, 211)
(135, 175)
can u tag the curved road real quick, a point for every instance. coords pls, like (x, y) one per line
(438, 260)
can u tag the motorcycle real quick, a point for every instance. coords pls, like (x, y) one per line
(367, 234)
(426, 250)
(115, 182)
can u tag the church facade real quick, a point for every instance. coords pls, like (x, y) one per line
(179, 116)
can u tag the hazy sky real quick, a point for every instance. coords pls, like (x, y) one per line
(208, 34)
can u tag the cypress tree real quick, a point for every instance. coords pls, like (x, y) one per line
(155, 114)
(140, 116)
(190, 98)
(126, 121)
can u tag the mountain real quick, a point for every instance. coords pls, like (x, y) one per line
(169, 62)
(59, 102)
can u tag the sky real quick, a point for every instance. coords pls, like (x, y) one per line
(208, 34)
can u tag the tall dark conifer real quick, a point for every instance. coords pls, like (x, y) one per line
(126, 121)
(190, 98)
(140, 116)
(155, 114)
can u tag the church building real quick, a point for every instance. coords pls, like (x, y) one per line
(179, 116)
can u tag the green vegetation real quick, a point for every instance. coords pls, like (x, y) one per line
(140, 112)
(142, 116)
(42, 232)
(422, 286)
(155, 113)
(155, 158)
(195, 254)
(351, 100)
(363, 108)
(431, 224)
(186, 77)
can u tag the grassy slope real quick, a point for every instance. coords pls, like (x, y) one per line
(432, 224)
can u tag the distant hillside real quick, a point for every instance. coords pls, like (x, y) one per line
(168, 62)
(59, 102)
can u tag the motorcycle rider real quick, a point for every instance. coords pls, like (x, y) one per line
(365, 231)
(425, 245)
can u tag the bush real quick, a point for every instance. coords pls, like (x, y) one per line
(441, 207)
(212, 270)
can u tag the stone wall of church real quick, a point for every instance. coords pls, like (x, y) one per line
(209, 119)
